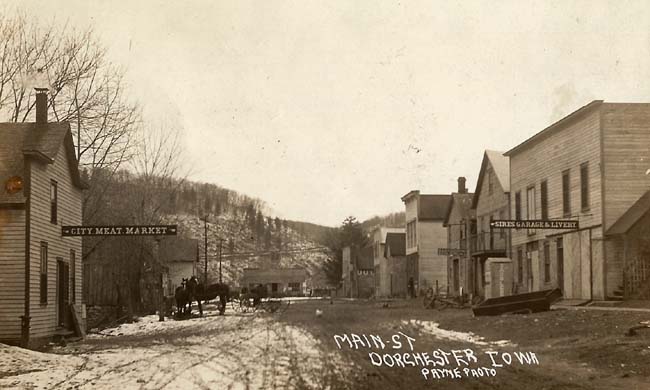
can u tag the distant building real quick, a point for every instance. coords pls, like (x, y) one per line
(382, 276)
(491, 201)
(278, 281)
(458, 222)
(589, 167)
(180, 256)
(398, 273)
(358, 272)
(425, 234)
(41, 189)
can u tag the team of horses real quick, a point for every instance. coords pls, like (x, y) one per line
(192, 290)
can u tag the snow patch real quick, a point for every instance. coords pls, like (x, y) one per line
(433, 328)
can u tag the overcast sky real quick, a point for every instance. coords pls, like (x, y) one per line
(334, 108)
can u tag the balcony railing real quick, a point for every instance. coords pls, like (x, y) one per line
(489, 242)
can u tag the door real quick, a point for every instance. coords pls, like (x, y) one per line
(456, 273)
(62, 291)
(560, 265)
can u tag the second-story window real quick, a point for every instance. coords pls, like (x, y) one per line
(543, 189)
(566, 194)
(584, 186)
(53, 201)
(518, 205)
(530, 206)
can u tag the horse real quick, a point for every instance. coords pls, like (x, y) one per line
(182, 297)
(192, 287)
(221, 290)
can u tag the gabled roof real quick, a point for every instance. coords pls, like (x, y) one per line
(500, 164)
(433, 207)
(555, 127)
(640, 208)
(42, 142)
(463, 202)
(397, 244)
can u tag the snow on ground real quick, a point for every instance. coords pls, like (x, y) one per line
(237, 351)
(434, 329)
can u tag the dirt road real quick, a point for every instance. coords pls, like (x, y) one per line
(351, 345)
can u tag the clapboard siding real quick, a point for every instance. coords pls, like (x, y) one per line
(44, 317)
(490, 205)
(546, 160)
(12, 272)
(626, 156)
(431, 235)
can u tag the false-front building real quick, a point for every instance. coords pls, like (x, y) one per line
(425, 234)
(590, 167)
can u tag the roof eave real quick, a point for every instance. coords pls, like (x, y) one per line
(554, 127)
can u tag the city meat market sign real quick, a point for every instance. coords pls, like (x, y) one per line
(533, 224)
(157, 230)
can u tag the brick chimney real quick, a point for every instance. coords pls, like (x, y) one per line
(461, 185)
(41, 106)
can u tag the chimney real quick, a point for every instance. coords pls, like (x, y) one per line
(41, 106)
(461, 185)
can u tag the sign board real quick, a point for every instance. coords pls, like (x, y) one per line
(451, 252)
(134, 230)
(533, 224)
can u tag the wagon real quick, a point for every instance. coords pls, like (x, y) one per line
(531, 302)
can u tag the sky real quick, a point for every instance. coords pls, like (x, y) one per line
(334, 108)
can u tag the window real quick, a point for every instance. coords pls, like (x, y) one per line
(518, 205)
(530, 206)
(566, 194)
(73, 275)
(584, 186)
(410, 234)
(502, 216)
(520, 266)
(543, 189)
(53, 201)
(43, 272)
(547, 262)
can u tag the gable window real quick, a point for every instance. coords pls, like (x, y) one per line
(518, 205)
(566, 194)
(584, 186)
(43, 273)
(53, 201)
(543, 189)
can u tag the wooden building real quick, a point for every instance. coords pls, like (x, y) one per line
(399, 275)
(358, 272)
(458, 221)
(425, 234)
(491, 201)
(180, 256)
(590, 167)
(40, 271)
(277, 281)
(382, 275)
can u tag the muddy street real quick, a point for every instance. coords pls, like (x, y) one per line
(348, 345)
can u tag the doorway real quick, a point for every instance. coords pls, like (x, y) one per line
(62, 291)
(456, 273)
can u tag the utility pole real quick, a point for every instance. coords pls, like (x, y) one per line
(205, 248)
(220, 251)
